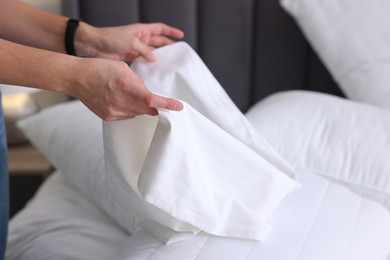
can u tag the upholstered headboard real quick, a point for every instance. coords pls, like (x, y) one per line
(251, 46)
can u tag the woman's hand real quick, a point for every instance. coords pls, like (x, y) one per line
(124, 43)
(110, 88)
(114, 92)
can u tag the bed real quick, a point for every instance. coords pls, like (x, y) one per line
(265, 55)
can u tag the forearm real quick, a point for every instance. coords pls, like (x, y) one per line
(26, 66)
(104, 84)
(24, 24)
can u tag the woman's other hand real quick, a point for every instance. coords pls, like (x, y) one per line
(124, 43)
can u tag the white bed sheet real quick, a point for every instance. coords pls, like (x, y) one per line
(322, 220)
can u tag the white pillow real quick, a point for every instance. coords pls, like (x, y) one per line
(343, 140)
(352, 38)
(72, 139)
(199, 169)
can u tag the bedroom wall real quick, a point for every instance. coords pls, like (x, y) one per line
(53, 6)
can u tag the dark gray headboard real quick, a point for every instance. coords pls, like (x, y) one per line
(252, 46)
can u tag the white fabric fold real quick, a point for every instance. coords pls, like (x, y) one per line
(203, 168)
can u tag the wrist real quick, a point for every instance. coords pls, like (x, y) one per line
(71, 27)
(67, 74)
(86, 40)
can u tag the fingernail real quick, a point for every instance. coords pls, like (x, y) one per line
(151, 58)
(178, 107)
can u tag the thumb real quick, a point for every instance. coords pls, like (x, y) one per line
(144, 50)
(166, 103)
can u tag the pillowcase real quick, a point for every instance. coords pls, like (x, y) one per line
(352, 39)
(72, 139)
(192, 170)
(343, 140)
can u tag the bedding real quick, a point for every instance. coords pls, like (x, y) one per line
(352, 39)
(321, 220)
(344, 140)
(329, 222)
(203, 168)
(206, 202)
(75, 216)
(60, 222)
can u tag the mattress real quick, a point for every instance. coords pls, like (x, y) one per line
(321, 220)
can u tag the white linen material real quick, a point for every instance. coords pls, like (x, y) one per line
(203, 168)
(352, 38)
(344, 140)
(61, 223)
(320, 221)
(73, 142)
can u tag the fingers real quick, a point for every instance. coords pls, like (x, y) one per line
(158, 41)
(131, 110)
(159, 34)
(144, 50)
(157, 101)
(147, 107)
(142, 109)
(163, 29)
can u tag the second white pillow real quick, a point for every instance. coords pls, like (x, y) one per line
(343, 140)
(352, 38)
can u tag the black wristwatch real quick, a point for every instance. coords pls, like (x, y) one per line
(71, 27)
